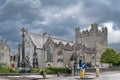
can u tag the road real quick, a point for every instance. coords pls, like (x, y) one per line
(110, 76)
(89, 76)
(92, 76)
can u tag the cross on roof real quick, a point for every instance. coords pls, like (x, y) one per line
(23, 29)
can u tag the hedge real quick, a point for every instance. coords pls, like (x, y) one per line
(49, 70)
(9, 70)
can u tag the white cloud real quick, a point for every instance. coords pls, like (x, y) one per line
(55, 13)
(113, 35)
(70, 11)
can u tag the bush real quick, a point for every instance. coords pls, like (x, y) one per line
(42, 70)
(15, 70)
(9, 70)
(55, 70)
(49, 70)
(35, 70)
(5, 70)
(3, 65)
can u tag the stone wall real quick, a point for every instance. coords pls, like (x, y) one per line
(4, 52)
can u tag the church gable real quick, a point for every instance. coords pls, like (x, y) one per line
(49, 41)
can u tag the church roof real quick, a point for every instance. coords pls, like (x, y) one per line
(37, 39)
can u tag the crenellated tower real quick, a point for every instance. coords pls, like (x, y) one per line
(77, 34)
(94, 28)
(93, 38)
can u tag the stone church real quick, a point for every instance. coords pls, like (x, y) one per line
(4, 53)
(46, 50)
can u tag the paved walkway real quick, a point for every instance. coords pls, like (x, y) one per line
(25, 77)
(48, 77)
(89, 76)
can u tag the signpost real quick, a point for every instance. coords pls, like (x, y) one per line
(82, 73)
(84, 65)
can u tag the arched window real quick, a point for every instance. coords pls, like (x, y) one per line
(49, 53)
(27, 49)
(35, 60)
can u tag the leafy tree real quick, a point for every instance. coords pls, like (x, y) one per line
(110, 56)
(117, 60)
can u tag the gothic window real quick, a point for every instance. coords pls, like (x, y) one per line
(60, 52)
(10, 58)
(60, 60)
(84, 59)
(49, 53)
(35, 60)
(93, 61)
(27, 49)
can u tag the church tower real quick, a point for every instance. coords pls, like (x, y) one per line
(94, 39)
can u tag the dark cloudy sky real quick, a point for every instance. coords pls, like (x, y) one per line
(58, 17)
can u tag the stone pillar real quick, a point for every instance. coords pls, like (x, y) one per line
(23, 43)
(23, 50)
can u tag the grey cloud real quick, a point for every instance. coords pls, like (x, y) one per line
(115, 46)
(10, 31)
(15, 14)
(58, 3)
(63, 27)
(17, 10)
(8, 27)
(101, 10)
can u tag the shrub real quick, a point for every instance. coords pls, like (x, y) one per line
(9, 70)
(62, 70)
(3, 65)
(15, 70)
(55, 70)
(5, 70)
(35, 70)
(42, 70)
(49, 70)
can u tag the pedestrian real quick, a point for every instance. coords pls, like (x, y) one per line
(78, 69)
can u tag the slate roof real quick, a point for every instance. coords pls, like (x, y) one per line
(37, 39)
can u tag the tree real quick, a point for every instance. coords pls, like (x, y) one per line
(110, 56)
(117, 60)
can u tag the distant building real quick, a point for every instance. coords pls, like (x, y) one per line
(14, 59)
(94, 42)
(4, 53)
(45, 50)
